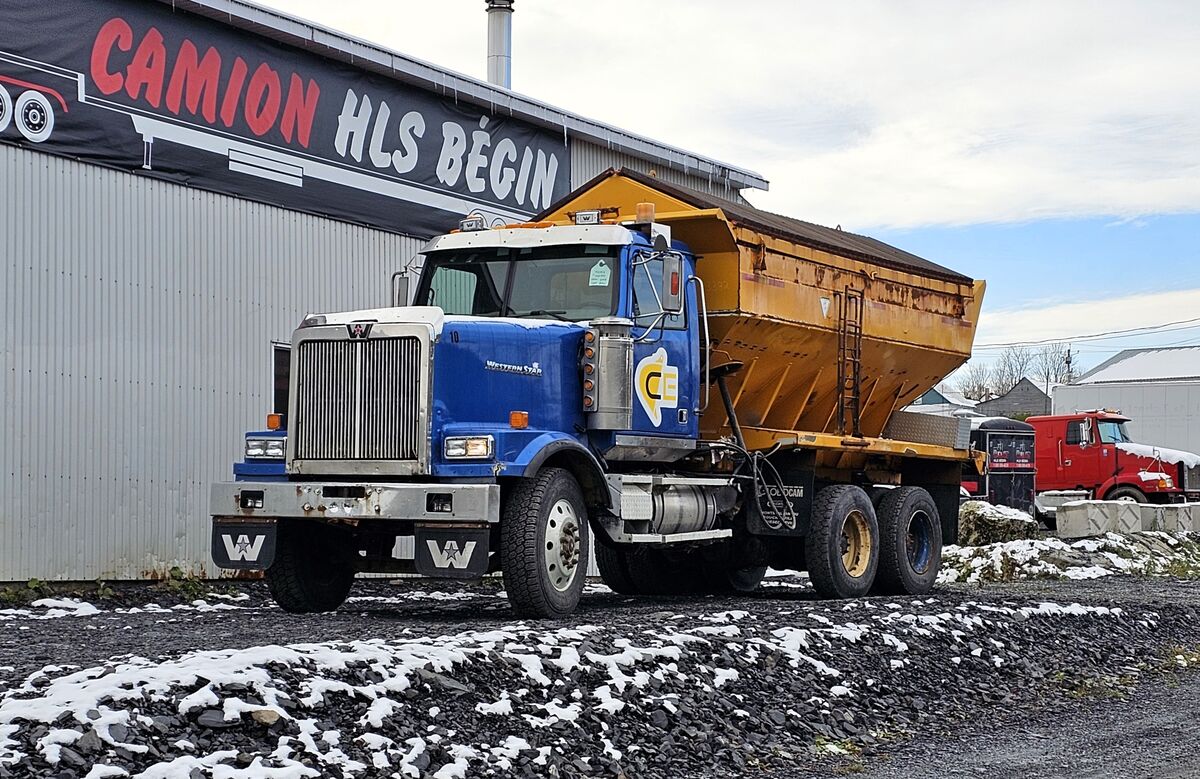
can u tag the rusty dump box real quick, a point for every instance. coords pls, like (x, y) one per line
(803, 308)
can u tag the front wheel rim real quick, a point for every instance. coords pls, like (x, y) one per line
(563, 545)
(856, 544)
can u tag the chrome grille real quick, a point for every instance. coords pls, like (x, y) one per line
(358, 400)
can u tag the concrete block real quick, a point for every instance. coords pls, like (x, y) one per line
(1179, 517)
(1083, 518)
(1127, 517)
(1152, 518)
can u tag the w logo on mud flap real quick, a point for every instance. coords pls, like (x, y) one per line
(243, 548)
(449, 554)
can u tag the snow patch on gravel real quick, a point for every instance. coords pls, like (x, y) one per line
(1149, 553)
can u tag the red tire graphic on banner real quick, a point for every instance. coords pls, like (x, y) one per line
(34, 116)
(6, 108)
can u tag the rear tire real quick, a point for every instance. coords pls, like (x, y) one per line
(34, 116)
(734, 580)
(544, 545)
(312, 570)
(842, 549)
(614, 570)
(910, 543)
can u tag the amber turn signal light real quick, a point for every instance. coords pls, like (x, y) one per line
(518, 420)
(274, 421)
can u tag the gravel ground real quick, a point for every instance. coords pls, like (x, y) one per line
(413, 680)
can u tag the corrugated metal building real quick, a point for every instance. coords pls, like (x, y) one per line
(139, 301)
(1159, 389)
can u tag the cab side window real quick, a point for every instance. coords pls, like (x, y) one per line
(1075, 432)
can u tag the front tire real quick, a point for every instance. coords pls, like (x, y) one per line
(6, 108)
(1127, 494)
(842, 549)
(312, 570)
(910, 548)
(544, 545)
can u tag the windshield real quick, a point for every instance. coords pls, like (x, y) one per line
(568, 283)
(1113, 433)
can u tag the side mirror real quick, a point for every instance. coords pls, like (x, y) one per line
(399, 289)
(1085, 434)
(672, 283)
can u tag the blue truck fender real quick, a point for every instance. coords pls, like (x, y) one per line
(562, 451)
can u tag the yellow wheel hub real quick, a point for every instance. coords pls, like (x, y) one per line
(856, 544)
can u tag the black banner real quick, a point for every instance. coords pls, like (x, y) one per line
(136, 85)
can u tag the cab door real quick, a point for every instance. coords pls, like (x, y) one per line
(665, 354)
(1079, 461)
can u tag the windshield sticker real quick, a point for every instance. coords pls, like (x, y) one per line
(520, 370)
(657, 385)
(600, 275)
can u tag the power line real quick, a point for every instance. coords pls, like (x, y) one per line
(1144, 330)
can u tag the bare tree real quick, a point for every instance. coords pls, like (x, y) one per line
(1050, 365)
(1013, 364)
(975, 381)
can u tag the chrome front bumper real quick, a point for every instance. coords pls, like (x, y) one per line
(356, 501)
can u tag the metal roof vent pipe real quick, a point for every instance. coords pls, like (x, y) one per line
(499, 57)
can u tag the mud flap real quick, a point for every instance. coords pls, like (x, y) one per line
(241, 545)
(784, 512)
(451, 552)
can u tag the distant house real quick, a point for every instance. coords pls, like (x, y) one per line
(945, 402)
(1025, 399)
(1158, 389)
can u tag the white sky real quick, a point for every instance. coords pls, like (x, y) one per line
(875, 114)
(863, 113)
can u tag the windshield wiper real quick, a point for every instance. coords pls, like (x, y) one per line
(544, 312)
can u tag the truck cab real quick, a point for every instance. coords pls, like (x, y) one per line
(1093, 451)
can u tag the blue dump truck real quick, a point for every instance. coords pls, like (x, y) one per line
(692, 388)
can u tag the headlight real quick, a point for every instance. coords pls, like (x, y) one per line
(469, 447)
(265, 448)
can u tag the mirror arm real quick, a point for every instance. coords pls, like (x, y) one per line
(703, 301)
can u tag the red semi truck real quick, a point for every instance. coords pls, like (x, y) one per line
(1092, 451)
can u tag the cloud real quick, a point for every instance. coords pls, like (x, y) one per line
(866, 114)
(1090, 315)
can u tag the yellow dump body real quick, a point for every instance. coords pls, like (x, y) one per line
(775, 289)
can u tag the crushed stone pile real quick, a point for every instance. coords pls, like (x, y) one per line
(696, 691)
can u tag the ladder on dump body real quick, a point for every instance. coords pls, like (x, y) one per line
(850, 319)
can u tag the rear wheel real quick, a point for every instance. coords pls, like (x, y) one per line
(614, 569)
(312, 570)
(730, 580)
(842, 551)
(34, 116)
(910, 542)
(544, 544)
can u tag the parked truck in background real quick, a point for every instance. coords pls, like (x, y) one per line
(1008, 477)
(1092, 452)
(706, 388)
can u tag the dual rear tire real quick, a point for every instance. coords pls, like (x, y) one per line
(854, 548)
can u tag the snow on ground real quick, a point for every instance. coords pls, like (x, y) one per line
(472, 702)
(57, 608)
(1149, 553)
